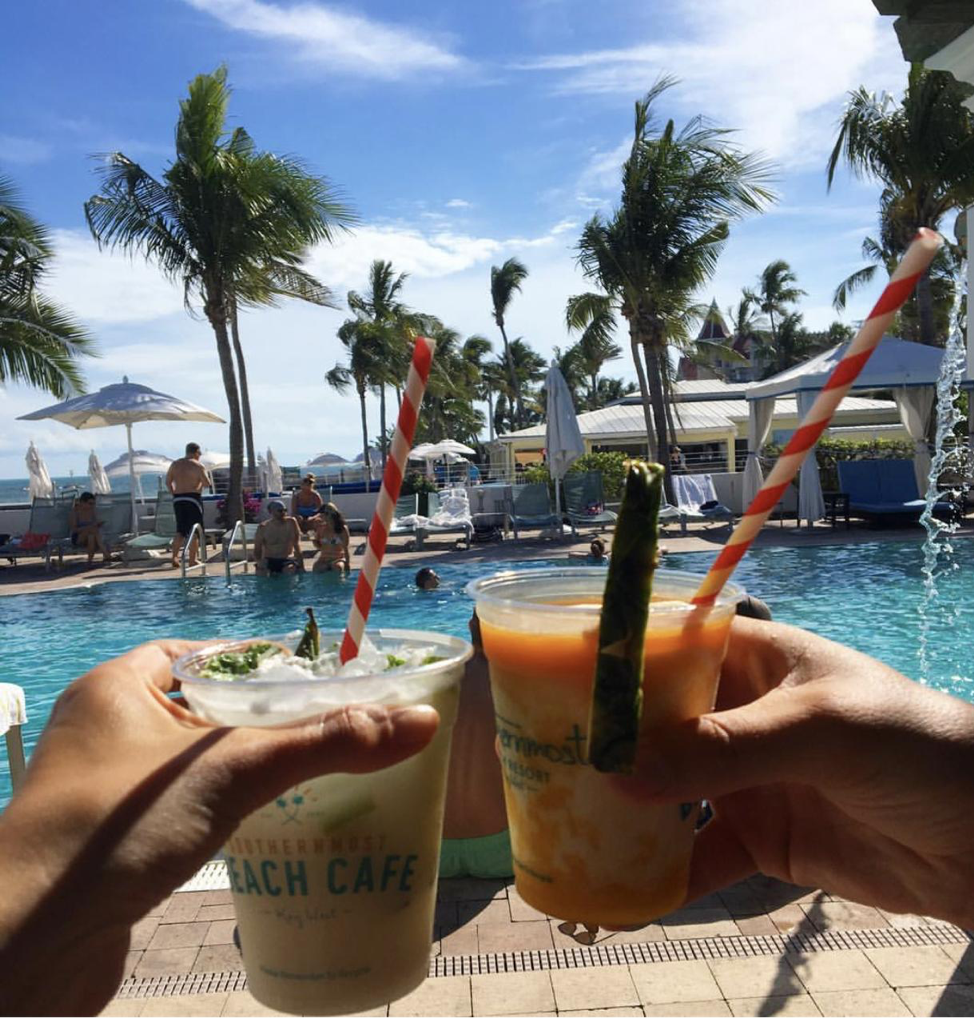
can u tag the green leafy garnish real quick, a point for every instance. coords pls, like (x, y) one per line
(310, 645)
(431, 659)
(394, 662)
(617, 693)
(232, 663)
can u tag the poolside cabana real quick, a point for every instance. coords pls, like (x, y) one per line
(910, 370)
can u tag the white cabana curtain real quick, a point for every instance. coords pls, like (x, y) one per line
(760, 415)
(914, 405)
(811, 504)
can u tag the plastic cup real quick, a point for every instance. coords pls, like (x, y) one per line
(334, 882)
(587, 847)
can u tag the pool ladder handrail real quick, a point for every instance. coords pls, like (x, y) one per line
(239, 530)
(195, 530)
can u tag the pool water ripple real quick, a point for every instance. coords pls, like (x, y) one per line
(863, 595)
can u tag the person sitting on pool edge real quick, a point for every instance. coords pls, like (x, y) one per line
(331, 538)
(476, 841)
(277, 546)
(306, 503)
(426, 579)
(85, 527)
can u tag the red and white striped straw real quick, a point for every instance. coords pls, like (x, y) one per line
(918, 256)
(402, 442)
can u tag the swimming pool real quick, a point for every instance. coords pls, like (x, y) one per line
(864, 595)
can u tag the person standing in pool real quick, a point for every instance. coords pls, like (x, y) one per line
(186, 479)
(277, 546)
(306, 504)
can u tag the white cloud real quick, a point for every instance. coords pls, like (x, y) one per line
(458, 203)
(337, 40)
(775, 71)
(102, 287)
(24, 151)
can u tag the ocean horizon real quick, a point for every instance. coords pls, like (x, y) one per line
(13, 490)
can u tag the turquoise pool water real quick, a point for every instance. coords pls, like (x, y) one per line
(864, 595)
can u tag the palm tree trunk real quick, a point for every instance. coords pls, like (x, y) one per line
(637, 359)
(595, 391)
(654, 376)
(248, 426)
(515, 384)
(384, 440)
(928, 328)
(490, 413)
(218, 319)
(366, 461)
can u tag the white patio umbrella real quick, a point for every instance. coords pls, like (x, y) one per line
(563, 439)
(215, 460)
(40, 484)
(275, 477)
(123, 403)
(439, 449)
(100, 484)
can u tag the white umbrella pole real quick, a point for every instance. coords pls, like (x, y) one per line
(135, 512)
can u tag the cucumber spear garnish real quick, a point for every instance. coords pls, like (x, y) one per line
(617, 693)
(310, 645)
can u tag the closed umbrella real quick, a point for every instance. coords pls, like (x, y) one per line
(275, 476)
(40, 484)
(100, 484)
(123, 403)
(563, 439)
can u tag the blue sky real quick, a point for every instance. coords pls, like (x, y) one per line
(461, 133)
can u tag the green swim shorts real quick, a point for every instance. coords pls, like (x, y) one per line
(485, 857)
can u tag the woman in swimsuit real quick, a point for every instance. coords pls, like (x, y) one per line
(331, 539)
(86, 528)
(305, 504)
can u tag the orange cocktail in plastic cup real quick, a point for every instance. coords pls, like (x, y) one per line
(587, 847)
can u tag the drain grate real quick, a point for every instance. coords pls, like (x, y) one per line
(600, 956)
(212, 877)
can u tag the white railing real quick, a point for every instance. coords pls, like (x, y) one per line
(239, 531)
(195, 531)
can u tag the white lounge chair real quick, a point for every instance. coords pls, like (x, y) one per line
(696, 499)
(449, 513)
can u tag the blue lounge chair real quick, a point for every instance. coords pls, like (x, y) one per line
(884, 489)
(531, 508)
(585, 500)
(164, 528)
(47, 516)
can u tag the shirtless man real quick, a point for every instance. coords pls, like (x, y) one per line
(277, 547)
(186, 479)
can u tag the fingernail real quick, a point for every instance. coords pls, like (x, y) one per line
(415, 724)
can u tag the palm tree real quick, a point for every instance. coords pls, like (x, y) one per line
(611, 390)
(227, 222)
(40, 343)
(680, 190)
(475, 351)
(529, 369)
(921, 150)
(595, 345)
(776, 290)
(943, 273)
(361, 369)
(390, 326)
(448, 410)
(505, 281)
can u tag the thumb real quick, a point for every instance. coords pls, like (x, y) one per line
(782, 736)
(263, 762)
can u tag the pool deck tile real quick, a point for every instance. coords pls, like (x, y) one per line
(583, 988)
(946, 1001)
(798, 1005)
(508, 993)
(881, 1002)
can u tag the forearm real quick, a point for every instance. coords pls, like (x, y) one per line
(56, 915)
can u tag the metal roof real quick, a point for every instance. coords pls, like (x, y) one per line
(626, 419)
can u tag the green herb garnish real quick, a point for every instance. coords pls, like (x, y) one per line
(394, 662)
(310, 645)
(431, 659)
(617, 693)
(232, 663)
